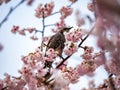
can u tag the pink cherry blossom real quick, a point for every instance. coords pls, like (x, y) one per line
(1, 84)
(45, 39)
(44, 11)
(90, 6)
(51, 54)
(73, 1)
(88, 49)
(15, 29)
(71, 74)
(41, 71)
(30, 30)
(6, 1)
(65, 11)
(21, 32)
(113, 66)
(29, 2)
(34, 37)
(70, 49)
(55, 30)
(1, 1)
(60, 24)
(86, 67)
(87, 56)
(74, 36)
(99, 58)
(117, 82)
(60, 81)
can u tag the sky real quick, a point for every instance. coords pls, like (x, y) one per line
(16, 45)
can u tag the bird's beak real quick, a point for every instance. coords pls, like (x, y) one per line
(68, 28)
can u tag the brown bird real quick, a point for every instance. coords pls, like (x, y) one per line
(57, 41)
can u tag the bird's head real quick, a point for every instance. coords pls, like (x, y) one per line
(65, 29)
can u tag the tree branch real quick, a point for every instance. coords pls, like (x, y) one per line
(10, 12)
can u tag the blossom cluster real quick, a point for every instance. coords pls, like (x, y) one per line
(74, 36)
(29, 2)
(73, 1)
(44, 11)
(16, 29)
(108, 35)
(70, 49)
(59, 25)
(107, 85)
(65, 11)
(108, 38)
(6, 1)
(38, 73)
(90, 62)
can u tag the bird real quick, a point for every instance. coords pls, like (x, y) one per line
(57, 41)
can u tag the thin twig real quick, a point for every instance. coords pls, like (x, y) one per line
(86, 36)
(38, 31)
(49, 25)
(10, 12)
(64, 59)
(54, 13)
(43, 30)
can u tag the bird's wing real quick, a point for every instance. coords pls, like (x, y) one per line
(56, 41)
(49, 42)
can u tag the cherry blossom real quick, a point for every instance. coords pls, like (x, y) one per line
(34, 37)
(60, 81)
(51, 54)
(74, 36)
(70, 49)
(44, 11)
(60, 24)
(73, 1)
(113, 66)
(41, 71)
(90, 6)
(65, 11)
(30, 30)
(86, 67)
(29, 2)
(1, 84)
(21, 32)
(71, 74)
(46, 39)
(15, 29)
(6, 1)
